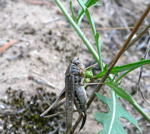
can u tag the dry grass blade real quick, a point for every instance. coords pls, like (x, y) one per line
(39, 2)
(7, 45)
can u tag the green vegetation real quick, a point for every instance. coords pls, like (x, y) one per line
(107, 73)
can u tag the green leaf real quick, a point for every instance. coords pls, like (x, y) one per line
(102, 73)
(127, 67)
(91, 21)
(124, 68)
(122, 93)
(93, 29)
(86, 11)
(82, 5)
(87, 4)
(116, 111)
(78, 30)
(99, 43)
(72, 11)
(90, 3)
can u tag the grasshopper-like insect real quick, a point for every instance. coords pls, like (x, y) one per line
(74, 92)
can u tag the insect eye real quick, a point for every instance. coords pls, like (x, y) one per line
(76, 61)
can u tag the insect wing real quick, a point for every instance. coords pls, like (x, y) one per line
(69, 83)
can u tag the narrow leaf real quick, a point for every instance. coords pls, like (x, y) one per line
(122, 93)
(91, 21)
(90, 3)
(82, 5)
(124, 68)
(130, 66)
(87, 4)
(99, 47)
(72, 11)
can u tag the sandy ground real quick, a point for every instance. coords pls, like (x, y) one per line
(46, 43)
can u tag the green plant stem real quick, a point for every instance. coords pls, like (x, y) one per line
(94, 33)
(72, 11)
(99, 49)
(96, 36)
(112, 64)
(140, 110)
(80, 16)
(95, 55)
(114, 111)
(78, 30)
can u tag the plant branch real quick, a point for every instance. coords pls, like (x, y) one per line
(78, 30)
(122, 50)
(139, 36)
(113, 62)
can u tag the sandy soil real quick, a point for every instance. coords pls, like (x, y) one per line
(46, 43)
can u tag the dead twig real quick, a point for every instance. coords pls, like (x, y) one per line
(39, 2)
(113, 62)
(56, 114)
(141, 71)
(7, 45)
(139, 36)
(53, 115)
(64, 28)
(42, 81)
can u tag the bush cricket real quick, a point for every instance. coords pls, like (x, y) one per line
(74, 93)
